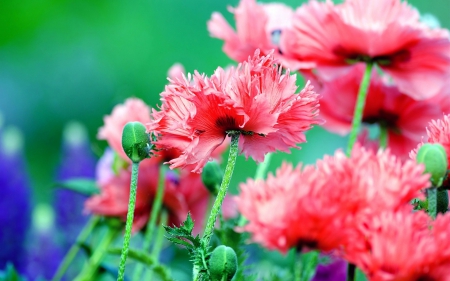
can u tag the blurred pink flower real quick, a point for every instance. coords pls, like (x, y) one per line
(403, 246)
(404, 117)
(258, 26)
(318, 206)
(387, 32)
(182, 193)
(255, 99)
(132, 110)
(176, 71)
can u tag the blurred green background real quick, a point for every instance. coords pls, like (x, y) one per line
(74, 60)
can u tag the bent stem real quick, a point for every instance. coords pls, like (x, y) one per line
(223, 188)
(359, 107)
(71, 254)
(262, 168)
(90, 269)
(129, 223)
(156, 207)
(157, 246)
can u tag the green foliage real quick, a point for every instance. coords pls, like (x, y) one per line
(235, 240)
(308, 263)
(198, 251)
(81, 185)
(10, 274)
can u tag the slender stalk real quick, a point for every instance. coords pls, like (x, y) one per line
(71, 254)
(351, 269)
(383, 136)
(262, 168)
(157, 246)
(208, 208)
(129, 223)
(156, 207)
(89, 271)
(223, 188)
(359, 107)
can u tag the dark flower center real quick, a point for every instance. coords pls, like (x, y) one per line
(307, 244)
(352, 57)
(384, 118)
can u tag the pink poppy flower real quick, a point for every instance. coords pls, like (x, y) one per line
(319, 206)
(255, 99)
(258, 26)
(387, 32)
(404, 117)
(132, 110)
(401, 246)
(182, 193)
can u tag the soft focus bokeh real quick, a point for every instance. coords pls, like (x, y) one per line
(74, 60)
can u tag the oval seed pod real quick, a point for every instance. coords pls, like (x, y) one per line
(434, 157)
(135, 141)
(222, 263)
(212, 176)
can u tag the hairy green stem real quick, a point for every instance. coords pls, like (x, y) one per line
(359, 107)
(157, 246)
(71, 254)
(156, 207)
(129, 223)
(383, 136)
(89, 271)
(223, 188)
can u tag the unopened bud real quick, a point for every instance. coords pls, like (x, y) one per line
(223, 263)
(135, 141)
(435, 159)
(212, 176)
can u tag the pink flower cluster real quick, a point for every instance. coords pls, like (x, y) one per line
(356, 207)
(328, 43)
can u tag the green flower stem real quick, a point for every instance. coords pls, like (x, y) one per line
(89, 271)
(157, 246)
(129, 223)
(351, 269)
(208, 208)
(71, 254)
(223, 188)
(262, 168)
(156, 207)
(383, 136)
(359, 107)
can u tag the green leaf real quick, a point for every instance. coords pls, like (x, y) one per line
(81, 185)
(360, 276)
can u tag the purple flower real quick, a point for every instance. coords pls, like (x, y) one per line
(44, 252)
(15, 209)
(77, 161)
(335, 270)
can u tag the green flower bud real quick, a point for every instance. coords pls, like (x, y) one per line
(435, 159)
(212, 176)
(135, 141)
(223, 263)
